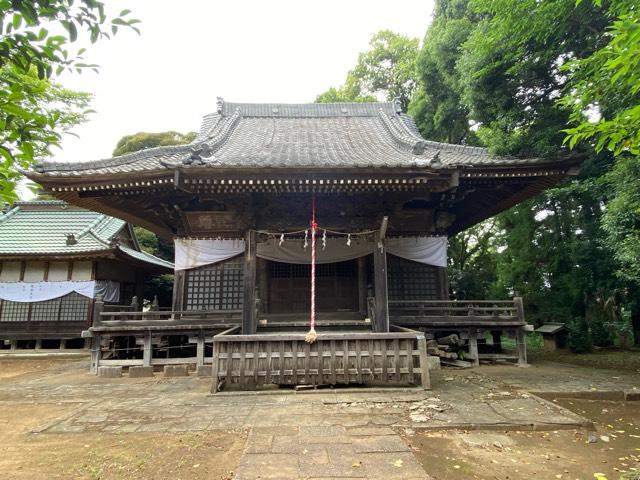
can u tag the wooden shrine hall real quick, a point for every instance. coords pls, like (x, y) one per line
(237, 201)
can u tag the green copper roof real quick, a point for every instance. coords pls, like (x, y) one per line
(53, 227)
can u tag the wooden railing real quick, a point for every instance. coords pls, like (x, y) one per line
(249, 362)
(457, 312)
(199, 318)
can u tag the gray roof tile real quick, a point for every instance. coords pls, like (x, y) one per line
(337, 135)
(41, 228)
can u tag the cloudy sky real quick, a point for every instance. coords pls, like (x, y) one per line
(246, 51)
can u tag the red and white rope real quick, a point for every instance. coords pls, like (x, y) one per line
(314, 226)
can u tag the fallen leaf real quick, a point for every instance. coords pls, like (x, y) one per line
(398, 463)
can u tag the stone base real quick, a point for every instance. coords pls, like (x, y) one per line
(433, 362)
(204, 370)
(110, 372)
(176, 370)
(138, 372)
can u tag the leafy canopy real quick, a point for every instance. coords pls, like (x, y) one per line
(384, 72)
(30, 52)
(143, 140)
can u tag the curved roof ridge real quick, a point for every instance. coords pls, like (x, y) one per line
(10, 213)
(113, 161)
(89, 228)
(306, 110)
(100, 227)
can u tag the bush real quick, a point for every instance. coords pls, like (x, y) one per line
(579, 340)
(601, 334)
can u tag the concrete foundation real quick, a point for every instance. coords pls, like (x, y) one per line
(204, 370)
(110, 372)
(176, 370)
(139, 372)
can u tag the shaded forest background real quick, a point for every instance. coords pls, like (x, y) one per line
(534, 79)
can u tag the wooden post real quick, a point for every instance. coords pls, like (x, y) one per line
(98, 307)
(381, 323)
(146, 350)
(424, 363)
(497, 341)
(178, 290)
(95, 353)
(517, 302)
(362, 285)
(473, 346)
(249, 298)
(200, 350)
(522, 347)
(215, 366)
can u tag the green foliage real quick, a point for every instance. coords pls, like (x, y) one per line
(29, 55)
(579, 340)
(144, 140)
(437, 107)
(606, 84)
(385, 71)
(510, 70)
(151, 243)
(38, 109)
(472, 261)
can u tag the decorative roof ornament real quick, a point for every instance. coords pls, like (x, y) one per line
(199, 153)
(71, 239)
(397, 104)
(219, 105)
(419, 147)
(435, 161)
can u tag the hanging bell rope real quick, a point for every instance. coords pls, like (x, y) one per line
(312, 336)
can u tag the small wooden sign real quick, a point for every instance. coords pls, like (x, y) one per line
(211, 222)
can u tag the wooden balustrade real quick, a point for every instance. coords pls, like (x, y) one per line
(249, 362)
(459, 313)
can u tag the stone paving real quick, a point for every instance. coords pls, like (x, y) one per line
(328, 433)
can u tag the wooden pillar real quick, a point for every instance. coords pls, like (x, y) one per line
(215, 366)
(473, 346)
(249, 298)
(179, 282)
(200, 350)
(362, 285)
(522, 347)
(95, 353)
(146, 350)
(424, 363)
(263, 284)
(497, 341)
(98, 307)
(381, 323)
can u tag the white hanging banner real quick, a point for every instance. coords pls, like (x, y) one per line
(427, 250)
(196, 253)
(41, 291)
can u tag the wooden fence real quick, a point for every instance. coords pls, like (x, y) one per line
(249, 362)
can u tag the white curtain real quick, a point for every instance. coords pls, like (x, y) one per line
(427, 250)
(196, 253)
(42, 291)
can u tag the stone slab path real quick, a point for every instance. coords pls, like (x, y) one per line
(323, 452)
(357, 433)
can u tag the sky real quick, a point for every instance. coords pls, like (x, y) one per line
(192, 51)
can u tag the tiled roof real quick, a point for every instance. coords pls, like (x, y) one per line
(313, 135)
(52, 227)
